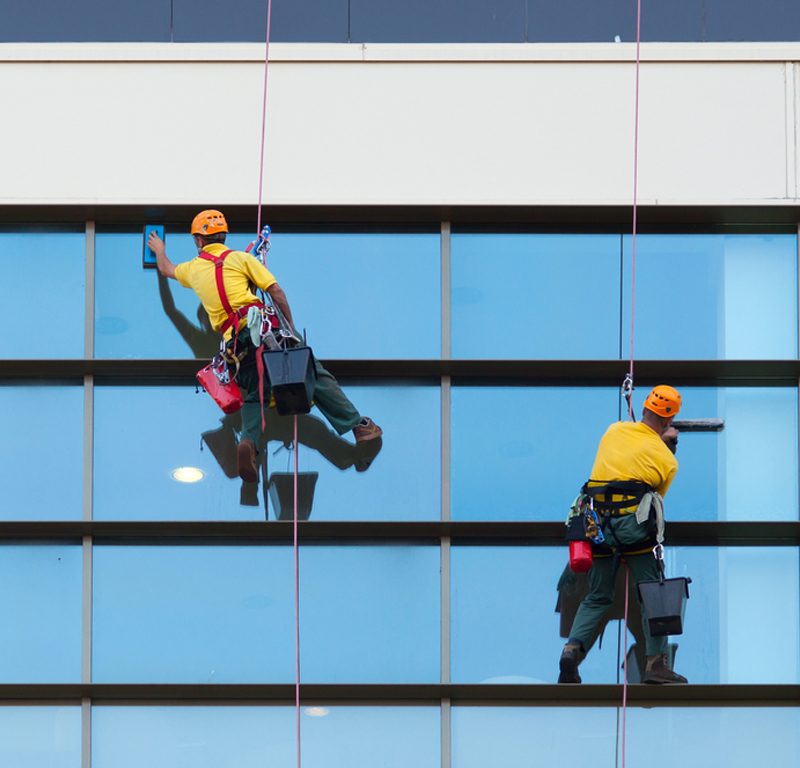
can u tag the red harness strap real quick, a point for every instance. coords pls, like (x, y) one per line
(234, 315)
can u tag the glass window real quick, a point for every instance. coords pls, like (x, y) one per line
(53, 264)
(226, 614)
(728, 297)
(42, 438)
(143, 434)
(523, 453)
(742, 601)
(40, 737)
(517, 296)
(251, 737)
(41, 600)
(659, 737)
(720, 473)
(350, 291)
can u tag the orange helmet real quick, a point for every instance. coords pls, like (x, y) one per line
(209, 223)
(664, 401)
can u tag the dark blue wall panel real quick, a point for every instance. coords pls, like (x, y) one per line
(245, 21)
(437, 21)
(84, 20)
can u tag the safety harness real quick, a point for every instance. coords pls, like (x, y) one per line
(233, 320)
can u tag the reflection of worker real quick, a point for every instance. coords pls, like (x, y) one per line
(633, 459)
(239, 273)
(203, 339)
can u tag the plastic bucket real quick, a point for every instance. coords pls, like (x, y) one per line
(664, 603)
(292, 377)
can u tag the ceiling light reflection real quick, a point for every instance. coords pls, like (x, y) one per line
(187, 474)
(317, 711)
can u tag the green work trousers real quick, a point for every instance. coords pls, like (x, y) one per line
(624, 532)
(328, 397)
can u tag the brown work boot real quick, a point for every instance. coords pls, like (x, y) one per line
(246, 461)
(572, 655)
(658, 672)
(366, 429)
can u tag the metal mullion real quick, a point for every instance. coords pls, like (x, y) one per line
(89, 270)
(445, 291)
(446, 733)
(86, 732)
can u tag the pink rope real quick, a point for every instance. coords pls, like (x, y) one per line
(296, 598)
(635, 196)
(263, 118)
(625, 667)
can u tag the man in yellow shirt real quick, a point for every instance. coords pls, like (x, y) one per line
(227, 305)
(636, 457)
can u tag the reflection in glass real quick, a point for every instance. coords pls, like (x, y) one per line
(42, 439)
(169, 427)
(40, 737)
(728, 297)
(41, 603)
(52, 266)
(741, 600)
(363, 312)
(254, 736)
(538, 296)
(226, 614)
(659, 737)
(523, 453)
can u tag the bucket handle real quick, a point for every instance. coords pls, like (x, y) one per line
(658, 554)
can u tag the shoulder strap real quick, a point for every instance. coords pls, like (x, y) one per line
(218, 261)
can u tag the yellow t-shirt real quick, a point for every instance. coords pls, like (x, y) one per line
(630, 450)
(239, 271)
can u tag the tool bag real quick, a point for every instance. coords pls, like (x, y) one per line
(216, 379)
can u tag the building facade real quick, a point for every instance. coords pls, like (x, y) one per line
(450, 189)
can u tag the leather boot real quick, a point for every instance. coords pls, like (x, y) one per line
(572, 655)
(658, 672)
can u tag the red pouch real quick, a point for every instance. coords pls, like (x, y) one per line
(224, 391)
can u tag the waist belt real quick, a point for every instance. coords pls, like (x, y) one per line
(616, 497)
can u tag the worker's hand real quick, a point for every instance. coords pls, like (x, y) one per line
(670, 437)
(156, 244)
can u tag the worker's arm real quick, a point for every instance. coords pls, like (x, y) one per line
(156, 245)
(279, 300)
(670, 437)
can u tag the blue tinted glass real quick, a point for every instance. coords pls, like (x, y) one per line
(40, 737)
(41, 598)
(363, 295)
(53, 265)
(152, 317)
(252, 737)
(718, 475)
(728, 297)
(741, 600)
(163, 428)
(50, 418)
(226, 614)
(661, 737)
(351, 292)
(523, 453)
(535, 296)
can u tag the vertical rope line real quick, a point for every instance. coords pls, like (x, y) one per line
(635, 194)
(263, 117)
(296, 598)
(625, 666)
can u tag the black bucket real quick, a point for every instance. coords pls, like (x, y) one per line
(292, 377)
(664, 603)
(281, 494)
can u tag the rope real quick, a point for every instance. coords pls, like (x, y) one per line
(263, 117)
(296, 443)
(296, 598)
(628, 385)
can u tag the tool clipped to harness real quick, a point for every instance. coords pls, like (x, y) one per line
(218, 380)
(583, 530)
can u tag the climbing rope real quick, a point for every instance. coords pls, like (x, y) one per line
(628, 383)
(295, 541)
